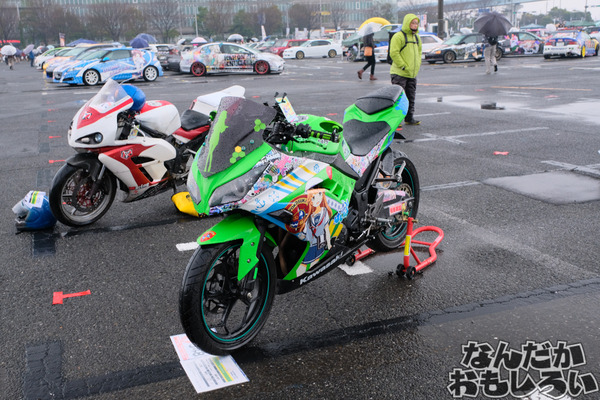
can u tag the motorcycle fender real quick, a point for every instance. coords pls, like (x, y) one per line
(233, 228)
(87, 161)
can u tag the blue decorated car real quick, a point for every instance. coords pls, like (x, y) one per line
(116, 63)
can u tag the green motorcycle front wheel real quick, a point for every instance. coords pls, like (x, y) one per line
(218, 312)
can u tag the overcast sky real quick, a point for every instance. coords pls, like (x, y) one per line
(569, 5)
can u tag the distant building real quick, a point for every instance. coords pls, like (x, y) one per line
(353, 12)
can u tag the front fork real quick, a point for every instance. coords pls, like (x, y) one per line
(97, 181)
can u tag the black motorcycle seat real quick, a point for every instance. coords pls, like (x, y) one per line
(379, 100)
(363, 136)
(191, 119)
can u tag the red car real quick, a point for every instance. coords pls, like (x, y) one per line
(282, 44)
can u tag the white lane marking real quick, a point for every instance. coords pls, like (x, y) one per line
(187, 246)
(432, 115)
(359, 268)
(451, 185)
(588, 169)
(431, 136)
(455, 138)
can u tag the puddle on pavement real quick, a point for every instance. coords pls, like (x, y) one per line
(474, 102)
(582, 110)
(557, 187)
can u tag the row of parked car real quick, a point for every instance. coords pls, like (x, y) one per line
(563, 43)
(92, 64)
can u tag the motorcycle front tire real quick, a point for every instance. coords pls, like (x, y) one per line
(70, 199)
(218, 313)
(391, 238)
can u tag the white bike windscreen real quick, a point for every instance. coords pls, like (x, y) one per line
(111, 94)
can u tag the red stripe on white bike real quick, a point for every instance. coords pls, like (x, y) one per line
(90, 115)
(152, 104)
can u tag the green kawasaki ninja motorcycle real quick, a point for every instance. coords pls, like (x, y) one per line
(301, 194)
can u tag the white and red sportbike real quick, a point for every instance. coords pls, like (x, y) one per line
(125, 142)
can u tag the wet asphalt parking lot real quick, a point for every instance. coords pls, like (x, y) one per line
(514, 186)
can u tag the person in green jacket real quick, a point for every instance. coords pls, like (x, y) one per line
(405, 51)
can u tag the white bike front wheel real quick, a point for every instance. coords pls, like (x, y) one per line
(76, 199)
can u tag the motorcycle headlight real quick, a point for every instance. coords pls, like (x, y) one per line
(193, 188)
(236, 189)
(92, 138)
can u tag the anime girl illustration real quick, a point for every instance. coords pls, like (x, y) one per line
(315, 228)
(138, 60)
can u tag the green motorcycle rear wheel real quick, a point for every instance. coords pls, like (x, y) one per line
(392, 237)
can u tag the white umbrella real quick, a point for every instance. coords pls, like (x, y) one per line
(368, 28)
(181, 41)
(198, 40)
(27, 49)
(8, 50)
(236, 37)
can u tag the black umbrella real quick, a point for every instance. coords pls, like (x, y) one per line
(492, 24)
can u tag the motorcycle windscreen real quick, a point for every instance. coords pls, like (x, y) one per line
(236, 131)
(111, 94)
(110, 99)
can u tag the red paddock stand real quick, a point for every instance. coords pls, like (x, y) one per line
(360, 254)
(406, 269)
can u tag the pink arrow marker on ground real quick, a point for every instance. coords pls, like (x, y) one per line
(57, 297)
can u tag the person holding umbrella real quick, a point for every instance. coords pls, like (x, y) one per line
(29, 52)
(9, 51)
(491, 25)
(489, 53)
(369, 54)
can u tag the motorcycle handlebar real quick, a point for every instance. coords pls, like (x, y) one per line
(304, 131)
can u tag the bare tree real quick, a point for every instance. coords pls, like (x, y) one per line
(383, 10)
(245, 23)
(110, 19)
(304, 16)
(458, 16)
(9, 22)
(43, 20)
(337, 14)
(138, 22)
(201, 17)
(272, 19)
(218, 18)
(164, 17)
